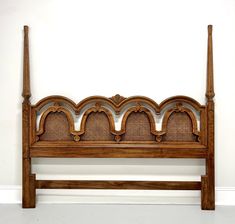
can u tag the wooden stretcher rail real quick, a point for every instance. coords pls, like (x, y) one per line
(131, 185)
(49, 131)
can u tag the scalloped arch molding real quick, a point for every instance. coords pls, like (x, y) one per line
(117, 103)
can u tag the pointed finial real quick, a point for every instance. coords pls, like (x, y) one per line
(210, 79)
(26, 73)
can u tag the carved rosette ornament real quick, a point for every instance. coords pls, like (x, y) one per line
(138, 108)
(97, 107)
(117, 138)
(159, 137)
(76, 138)
(179, 107)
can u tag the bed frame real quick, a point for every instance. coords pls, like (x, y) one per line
(187, 131)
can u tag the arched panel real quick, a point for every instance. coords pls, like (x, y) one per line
(97, 128)
(138, 127)
(180, 125)
(56, 127)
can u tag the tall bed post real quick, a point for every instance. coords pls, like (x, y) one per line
(208, 181)
(28, 179)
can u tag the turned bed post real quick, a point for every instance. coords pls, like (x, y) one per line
(28, 179)
(208, 180)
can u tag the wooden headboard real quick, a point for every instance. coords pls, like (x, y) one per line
(187, 131)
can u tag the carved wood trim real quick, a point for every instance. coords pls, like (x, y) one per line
(118, 102)
(117, 99)
(117, 134)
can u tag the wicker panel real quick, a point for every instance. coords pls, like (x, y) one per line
(179, 128)
(138, 128)
(56, 128)
(97, 128)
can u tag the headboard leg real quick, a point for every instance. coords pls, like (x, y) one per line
(29, 189)
(208, 187)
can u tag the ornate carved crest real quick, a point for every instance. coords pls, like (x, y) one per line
(117, 98)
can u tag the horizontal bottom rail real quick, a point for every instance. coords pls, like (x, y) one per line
(131, 185)
(63, 152)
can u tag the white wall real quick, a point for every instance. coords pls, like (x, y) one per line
(130, 47)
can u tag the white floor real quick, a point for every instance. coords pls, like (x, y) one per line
(115, 214)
